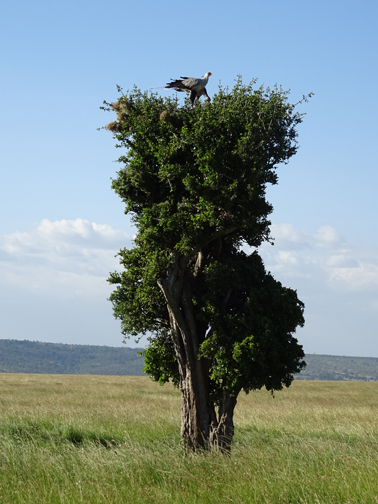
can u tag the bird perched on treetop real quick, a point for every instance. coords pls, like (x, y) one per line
(196, 87)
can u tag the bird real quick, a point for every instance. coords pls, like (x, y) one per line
(196, 87)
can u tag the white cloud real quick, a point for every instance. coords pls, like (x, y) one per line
(290, 237)
(285, 257)
(60, 236)
(327, 236)
(323, 254)
(61, 257)
(340, 261)
(337, 281)
(374, 304)
(53, 284)
(362, 277)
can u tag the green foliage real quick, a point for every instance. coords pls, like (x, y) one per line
(139, 302)
(160, 360)
(194, 183)
(250, 344)
(202, 169)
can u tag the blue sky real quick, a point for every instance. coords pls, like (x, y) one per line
(61, 224)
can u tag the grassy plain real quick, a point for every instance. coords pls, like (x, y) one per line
(108, 439)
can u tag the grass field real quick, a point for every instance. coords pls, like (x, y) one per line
(108, 439)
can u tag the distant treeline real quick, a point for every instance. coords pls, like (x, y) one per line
(57, 358)
(335, 367)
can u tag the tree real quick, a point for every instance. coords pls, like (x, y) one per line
(194, 182)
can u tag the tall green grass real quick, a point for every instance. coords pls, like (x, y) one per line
(101, 439)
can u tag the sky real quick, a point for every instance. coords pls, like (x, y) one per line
(61, 224)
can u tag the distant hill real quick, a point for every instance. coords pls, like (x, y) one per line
(334, 367)
(56, 358)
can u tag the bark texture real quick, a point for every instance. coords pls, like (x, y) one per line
(222, 427)
(202, 427)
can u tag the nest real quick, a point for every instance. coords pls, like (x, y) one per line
(112, 126)
(122, 108)
(165, 116)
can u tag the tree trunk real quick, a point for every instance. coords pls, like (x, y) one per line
(200, 427)
(195, 414)
(222, 429)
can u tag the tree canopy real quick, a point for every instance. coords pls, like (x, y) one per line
(194, 183)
